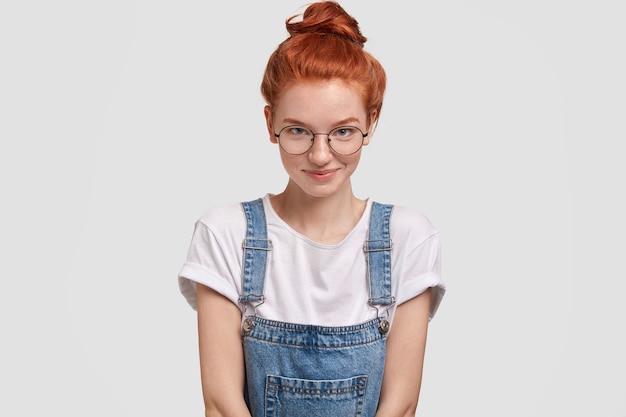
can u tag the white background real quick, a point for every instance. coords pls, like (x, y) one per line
(122, 121)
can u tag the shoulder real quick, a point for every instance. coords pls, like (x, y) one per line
(411, 225)
(228, 212)
(224, 218)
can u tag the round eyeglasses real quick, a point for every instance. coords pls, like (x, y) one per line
(343, 140)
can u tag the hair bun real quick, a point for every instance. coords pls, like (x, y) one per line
(327, 18)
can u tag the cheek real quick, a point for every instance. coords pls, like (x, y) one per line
(352, 160)
(289, 161)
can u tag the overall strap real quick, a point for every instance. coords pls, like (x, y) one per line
(377, 249)
(255, 249)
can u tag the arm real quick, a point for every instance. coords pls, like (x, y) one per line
(221, 355)
(406, 345)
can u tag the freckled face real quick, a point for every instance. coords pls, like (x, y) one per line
(319, 106)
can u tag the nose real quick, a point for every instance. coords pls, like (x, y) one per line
(320, 153)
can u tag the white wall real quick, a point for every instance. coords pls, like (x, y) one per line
(122, 121)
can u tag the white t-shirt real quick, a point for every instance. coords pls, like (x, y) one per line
(309, 282)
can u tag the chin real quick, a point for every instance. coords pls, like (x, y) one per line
(324, 190)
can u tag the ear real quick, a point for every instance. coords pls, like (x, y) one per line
(268, 123)
(373, 119)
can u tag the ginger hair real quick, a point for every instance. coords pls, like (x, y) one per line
(326, 44)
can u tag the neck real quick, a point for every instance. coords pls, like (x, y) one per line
(325, 220)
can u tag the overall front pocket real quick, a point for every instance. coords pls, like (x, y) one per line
(293, 397)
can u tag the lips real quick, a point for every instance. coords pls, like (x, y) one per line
(321, 175)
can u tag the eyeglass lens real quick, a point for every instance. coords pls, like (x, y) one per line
(344, 140)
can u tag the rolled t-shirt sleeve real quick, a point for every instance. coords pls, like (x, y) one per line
(418, 264)
(426, 264)
(212, 262)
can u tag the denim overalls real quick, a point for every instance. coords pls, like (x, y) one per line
(295, 370)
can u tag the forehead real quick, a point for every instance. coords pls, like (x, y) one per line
(320, 100)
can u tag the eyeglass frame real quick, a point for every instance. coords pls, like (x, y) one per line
(364, 135)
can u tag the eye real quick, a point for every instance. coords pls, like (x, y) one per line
(345, 133)
(297, 131)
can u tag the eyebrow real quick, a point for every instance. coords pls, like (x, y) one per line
(338, 123)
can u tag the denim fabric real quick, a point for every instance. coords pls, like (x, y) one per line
(295, 370)
(255, 248)
(378, 249)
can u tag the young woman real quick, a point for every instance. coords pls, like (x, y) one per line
(314, 302)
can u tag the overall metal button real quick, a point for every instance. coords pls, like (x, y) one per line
(248, 324)
(384, 327)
